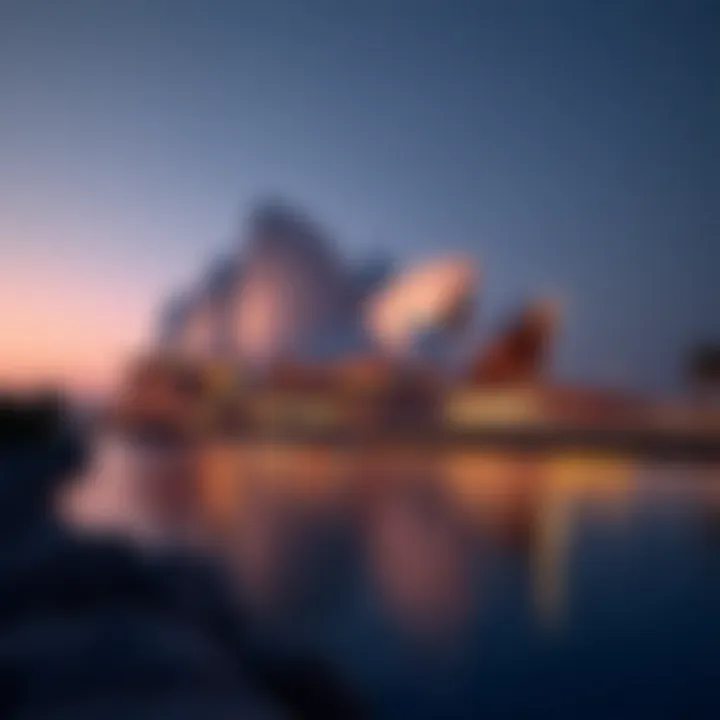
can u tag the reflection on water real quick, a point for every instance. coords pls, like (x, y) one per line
(449, 584)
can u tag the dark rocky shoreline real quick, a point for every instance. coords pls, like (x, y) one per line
(92, 627)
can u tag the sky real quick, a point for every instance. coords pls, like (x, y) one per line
(572, 147)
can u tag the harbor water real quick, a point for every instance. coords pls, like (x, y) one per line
(450, 584)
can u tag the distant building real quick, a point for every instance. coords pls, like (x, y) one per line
(286, 294)
(703, 375)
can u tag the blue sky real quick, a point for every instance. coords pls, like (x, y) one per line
(571, 146)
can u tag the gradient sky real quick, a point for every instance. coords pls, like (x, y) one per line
(571, 145)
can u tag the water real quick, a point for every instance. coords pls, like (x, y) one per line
(454, 585)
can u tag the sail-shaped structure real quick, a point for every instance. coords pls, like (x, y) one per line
(291, 287)
(428, 305)
(519, 353)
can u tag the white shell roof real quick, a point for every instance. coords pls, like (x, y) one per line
(419, 299)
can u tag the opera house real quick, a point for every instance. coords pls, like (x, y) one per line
(283, 334)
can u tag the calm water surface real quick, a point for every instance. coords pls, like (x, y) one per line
(454, 585)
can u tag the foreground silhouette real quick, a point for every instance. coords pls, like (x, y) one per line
(93, 628)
